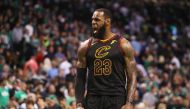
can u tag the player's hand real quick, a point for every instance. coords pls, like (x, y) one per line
(127, 106)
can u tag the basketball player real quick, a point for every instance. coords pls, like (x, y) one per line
(109, 60)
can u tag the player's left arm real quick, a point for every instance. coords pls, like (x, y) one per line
(131, 70)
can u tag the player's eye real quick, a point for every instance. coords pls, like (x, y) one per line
(96, 19)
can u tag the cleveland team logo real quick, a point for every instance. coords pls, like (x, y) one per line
(102, 51)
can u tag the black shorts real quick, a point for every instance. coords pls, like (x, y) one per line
(104, 102)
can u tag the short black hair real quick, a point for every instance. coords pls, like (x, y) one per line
(106, 12)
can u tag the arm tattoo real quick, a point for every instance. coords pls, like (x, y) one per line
(131, 80)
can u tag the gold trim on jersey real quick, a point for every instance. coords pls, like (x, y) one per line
(113, 41)
(101, 52)
(105, 40)
(108, 39)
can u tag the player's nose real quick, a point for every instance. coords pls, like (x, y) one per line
(93, 22)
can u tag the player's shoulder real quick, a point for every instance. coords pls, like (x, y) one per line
(126, 45)
(123, 40)
(83, 46)
(85, 43)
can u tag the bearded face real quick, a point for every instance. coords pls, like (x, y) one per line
(99, 33)
(98, 25)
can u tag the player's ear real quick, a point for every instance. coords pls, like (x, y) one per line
(108, 20)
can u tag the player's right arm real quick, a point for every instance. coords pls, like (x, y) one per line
(81, 73)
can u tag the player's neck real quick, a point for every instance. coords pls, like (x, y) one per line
(108, 34)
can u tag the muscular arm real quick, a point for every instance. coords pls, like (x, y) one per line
(131, 69)
(81, 73)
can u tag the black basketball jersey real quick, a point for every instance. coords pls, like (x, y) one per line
(106, 68)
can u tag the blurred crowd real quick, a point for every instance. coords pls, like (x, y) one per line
(39, 41)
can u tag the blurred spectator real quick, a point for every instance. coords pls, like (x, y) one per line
(150, 99)
(17, 37)
(72, 105)
(31, 102)
(47, 65)
(71, 96)
(12, 106)
(29, 31)
(53, 72)
(175, 62)
(52, 102)
(71, 76)
(51, 52)
(41, 103)
(4, 94)
(31, 67)
(65, 65)
(29, 105)
(63, 104)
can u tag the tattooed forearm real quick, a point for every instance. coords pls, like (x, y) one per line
(131, 80)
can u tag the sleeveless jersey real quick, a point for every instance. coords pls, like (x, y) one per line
(106, 68)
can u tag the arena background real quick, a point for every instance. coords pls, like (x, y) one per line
(39, 41)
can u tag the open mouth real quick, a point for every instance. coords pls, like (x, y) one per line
(95, 31)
